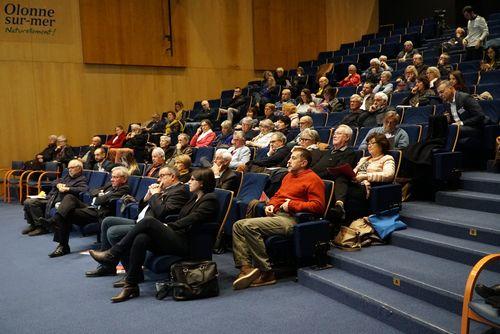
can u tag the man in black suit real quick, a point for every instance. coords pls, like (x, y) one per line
(374, 116)
(234, 109)
(72, 210)
(87, 154)
(463, 110)
(163, 199)
(63, 153)
(225, 177)
(101, 163)
(278, 151)
(36, 208)
(340, 154)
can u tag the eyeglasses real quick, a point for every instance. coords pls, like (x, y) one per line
(301, 138)
(164, 175)
(371, 143)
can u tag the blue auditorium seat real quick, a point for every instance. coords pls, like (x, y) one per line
(335, 118)
(346, 91)
(414, 132)
(469, 66)
(397, 98)
(324, 134)
(203, 152)
(493, 89)
(319, 119)
(417, 115)
(361, 135)
(490, 77)
(471, 78)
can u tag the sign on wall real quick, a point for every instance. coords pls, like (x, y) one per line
(47, 21)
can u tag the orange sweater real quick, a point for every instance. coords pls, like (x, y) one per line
(305, 190)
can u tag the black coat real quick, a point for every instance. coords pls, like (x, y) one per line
(228, 180)
(334, 158)
(468, 109)
(273, 160)
(64, 155)
(196, 212)
(77, 185)
(107, 165)
(107, 202)
(169, 202)
(372, 119)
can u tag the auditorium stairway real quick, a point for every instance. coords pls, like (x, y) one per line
(416, 282)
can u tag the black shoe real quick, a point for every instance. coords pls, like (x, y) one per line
(486, 292)
(105, 258)
(60, 251)
(29, 229)
(129, 291)
(101, 271)
(38, 231)
(339, 208)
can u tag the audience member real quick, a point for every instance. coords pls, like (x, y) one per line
(301, 191)
(234, 109)
(290, 110)
(35, 208)
(101, 163)
(298, 81)
(375, 115)
(180, 114)
(309, 140)
(282, 125)
(206, 112)
(63, 153)
(152, 234)
(156, 125)
(305, 99)
(379, 166)
(418, 62)
(352, 79)
(411, 75)
(44, 156)
(420, 95)
(182, 147)
(225, 138)
(398, 138)
(400, 86)
(158, 158)
(367, 95)
(463, 110)
(444, 65)
(339, 155)
(269, 109)
(384, 85)
(135, 142)
(491, 60)
(183, 165)
(264, 137)
(330, 103)
(279, 76)
(173, 125)
(458, 82)
(434, 77)
(267, 94)
(247, 129)
(165, 198)
(166, 146)
(407, 53)
(323, 84)
(72, 210)
(372, 74)
(204, 135)
(277, 152)
(477, 31)
(351, 119)
(305, 122)
(128, 161)
(86, 155)
(225, 177)
(384, 65)
(116, 141)
(240, 153)
(456, 41)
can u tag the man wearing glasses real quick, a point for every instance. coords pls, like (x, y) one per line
(164, 198)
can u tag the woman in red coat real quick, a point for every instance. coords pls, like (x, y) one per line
(204, 135)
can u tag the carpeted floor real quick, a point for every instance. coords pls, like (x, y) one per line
(43, 295)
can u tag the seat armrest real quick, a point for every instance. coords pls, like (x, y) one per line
(305, 238)
(443, 165)
(303, 217)
(385, 197)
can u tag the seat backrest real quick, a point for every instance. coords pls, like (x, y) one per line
(86, 172)
(142, 188)
(142, 167)
(203, 152)
(97, 179)
(252, 186)
(133, 183)
(51, 167)
(452, 139)
(261, 153)
(490, 77)
(319, 119)
(329, 186)
(491, 109)
(414, 132)
(361, 135)
(346, 91)
(417, 115)
(335, 118)
(397, 155)
(493, 89)
(324, 134)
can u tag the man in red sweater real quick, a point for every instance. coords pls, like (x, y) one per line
(301, 190)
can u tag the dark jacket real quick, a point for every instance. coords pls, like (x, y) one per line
(48, 152)
(196, 212)
(169, 202)
(351, 119)
(468, 109)
(106, 202)
(228, 180)
(372, 119)
(334, 158)
(77, 185)
(154, 171)
(273, 160)
(419, 100)
(64, 155)
(89, 164)
(106, 164)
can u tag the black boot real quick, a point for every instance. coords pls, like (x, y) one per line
(60, 251)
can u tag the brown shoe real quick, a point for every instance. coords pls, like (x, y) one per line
(129, 291)
(245, 278)
(28, 229)
(38, 231)
(266, 278)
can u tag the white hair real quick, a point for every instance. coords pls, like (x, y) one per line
(375, 61)
(159, 152)
(224, 154)
(122, 171)
(409, 43)
(382, 95)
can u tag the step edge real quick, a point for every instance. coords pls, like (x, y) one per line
(449, 222)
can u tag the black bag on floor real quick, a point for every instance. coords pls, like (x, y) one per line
(190, 280)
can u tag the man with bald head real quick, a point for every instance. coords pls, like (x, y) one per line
(86, 155)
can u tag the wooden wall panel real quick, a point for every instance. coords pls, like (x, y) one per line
(131, 32)
(287, 31)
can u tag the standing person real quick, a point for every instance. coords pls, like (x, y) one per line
(477, 31)
(301, 191)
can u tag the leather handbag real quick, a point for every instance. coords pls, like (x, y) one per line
(190, 280)
(359, 234)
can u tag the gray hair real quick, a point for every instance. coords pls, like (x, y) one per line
(312, 133)
(246, 120)
(122, 171)
(409, 43)
(226, 124)
(184, 135)
(267, 123)
(387, 73)
(356, 97)
(224, 154)
(382, 95)
(167, 138)
(172, 170)
(135, 127)
(238, 135)
(346, 129)
(52, 137)
(307, 119)
(76, 163)
(158, 151)
(98, 138)
(279, 136)
(375, 61)
(435, 71)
